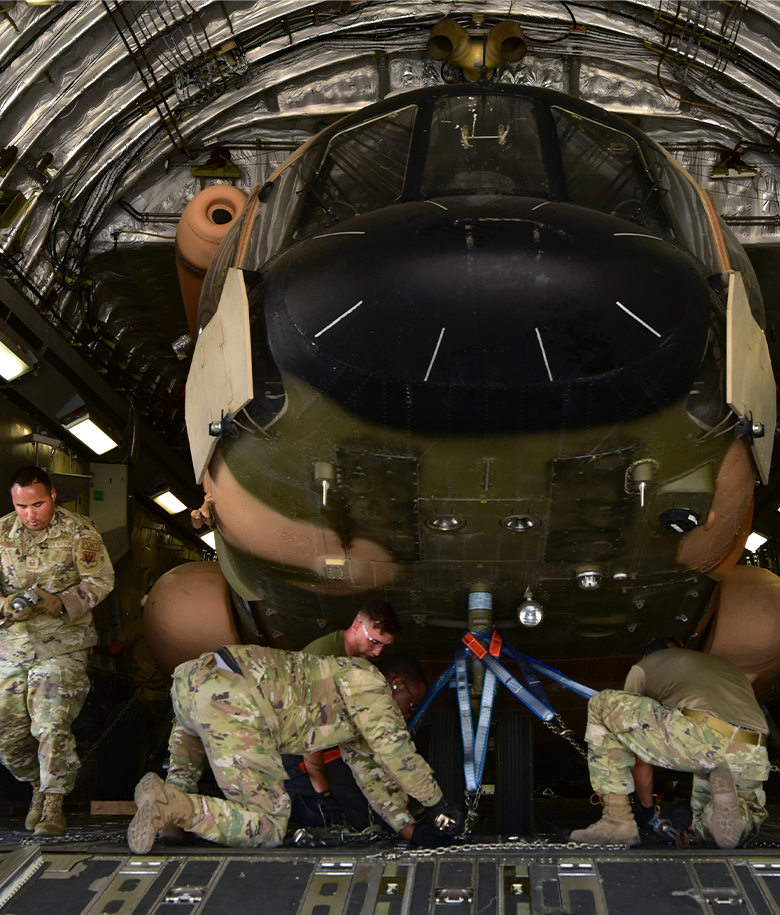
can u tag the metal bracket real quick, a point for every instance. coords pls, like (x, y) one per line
(223, 428)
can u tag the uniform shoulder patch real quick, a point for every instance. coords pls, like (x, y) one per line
(90, 551)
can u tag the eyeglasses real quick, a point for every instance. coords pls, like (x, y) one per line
(372, 640)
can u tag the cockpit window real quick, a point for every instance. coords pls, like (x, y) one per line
(604, 169)
(363, 169)
(480, 143)
(484, 144)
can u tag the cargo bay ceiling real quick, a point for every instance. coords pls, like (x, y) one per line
(113, 115)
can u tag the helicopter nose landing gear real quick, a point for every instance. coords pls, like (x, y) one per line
(482, 650)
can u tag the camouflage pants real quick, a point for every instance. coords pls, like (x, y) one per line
(38, 702)
(622, 726)
(219, 718)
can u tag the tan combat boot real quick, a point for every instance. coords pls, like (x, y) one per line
(36, 808)
(617, 825)
(52, 821)
(726, 822)
(174, 835)
(158, 805)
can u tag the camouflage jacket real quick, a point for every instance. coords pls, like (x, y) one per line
(69, 559)
(324, 702)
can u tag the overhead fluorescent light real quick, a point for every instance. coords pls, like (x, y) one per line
(755, 541)
(12, 364)
(210, 540)
(169, 502)
(91, 434)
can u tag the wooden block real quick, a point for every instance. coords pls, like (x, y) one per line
(112, 808)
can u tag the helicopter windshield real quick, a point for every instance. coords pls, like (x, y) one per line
(364, 169)
(606, 170)
(484, 144)
(514, 144)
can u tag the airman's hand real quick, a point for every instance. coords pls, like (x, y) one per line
(48, 603)
(16, 615)
(447, 816)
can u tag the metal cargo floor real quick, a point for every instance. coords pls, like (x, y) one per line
(91, 870)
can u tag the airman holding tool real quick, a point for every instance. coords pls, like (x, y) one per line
(54, 569)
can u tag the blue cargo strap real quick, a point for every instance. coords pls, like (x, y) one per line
(485, 713)
(558, 677)
(474, 748)
(464, 707)
(542, 668)
(534, 697)
(433, 692)
(538, 704)
(539, 708)
(527, 668)
(483, 731)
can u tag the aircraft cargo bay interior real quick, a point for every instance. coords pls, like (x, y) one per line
(391, 504)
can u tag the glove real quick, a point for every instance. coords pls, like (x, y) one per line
(447, 817)
(681, 815)
(332, 814)
(17, 615)
(643, 815)
(425, 836)
(48, 603)
(7, 608)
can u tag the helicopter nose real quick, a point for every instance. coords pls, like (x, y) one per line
(492, 315)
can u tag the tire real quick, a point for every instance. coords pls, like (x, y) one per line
(123, 757)
(445, 753)
(514, 774)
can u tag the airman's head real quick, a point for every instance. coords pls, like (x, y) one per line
(372, 631)
(407, 681)
(33, 497)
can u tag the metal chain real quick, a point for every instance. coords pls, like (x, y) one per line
(557, 726)
(764, 843)
(109, 837)
(472, 817)
(479, 847)
(470, 848)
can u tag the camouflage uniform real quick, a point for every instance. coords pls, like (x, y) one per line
(43, 660)
(306, 809)
(287, 702)
(623, 726)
